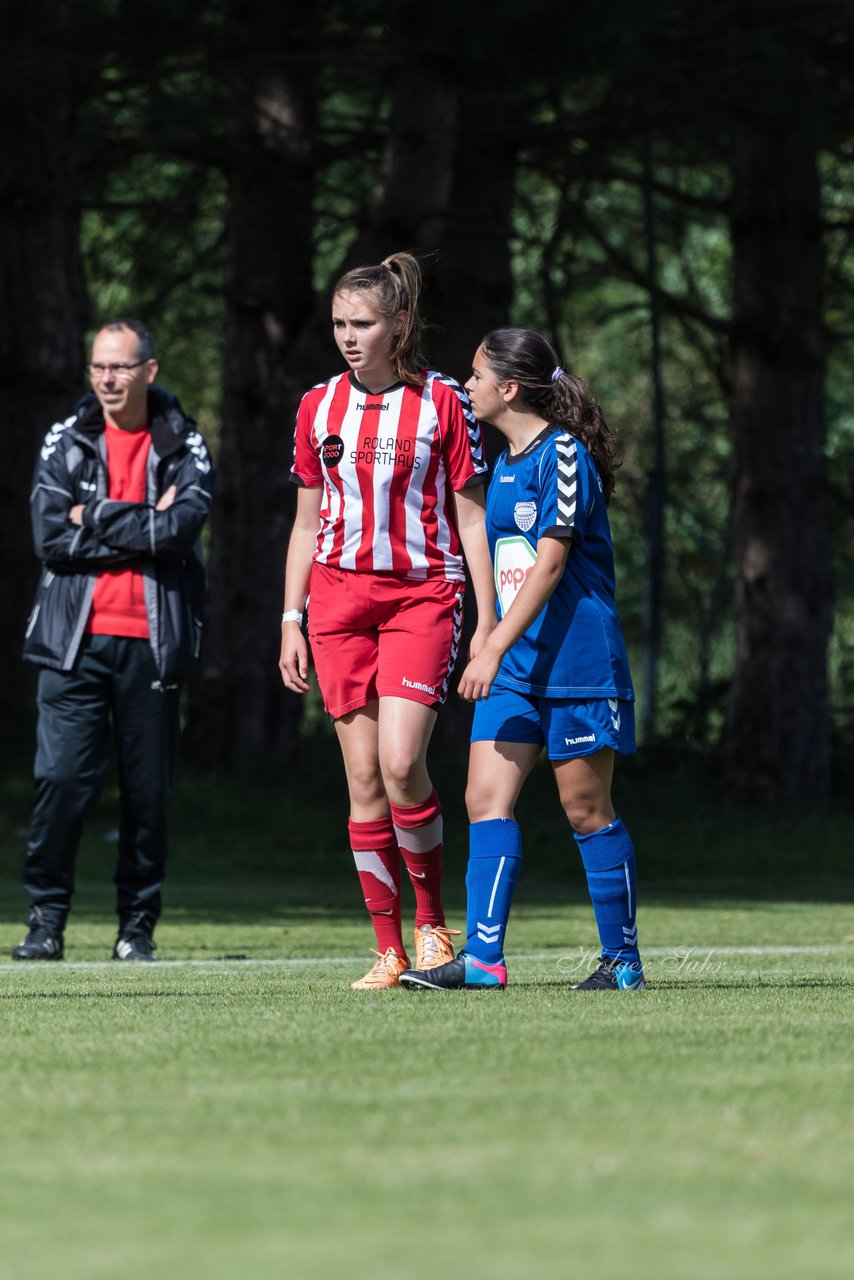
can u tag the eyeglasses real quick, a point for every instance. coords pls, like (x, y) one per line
(120, 371)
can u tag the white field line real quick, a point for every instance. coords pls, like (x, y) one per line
(677, 952)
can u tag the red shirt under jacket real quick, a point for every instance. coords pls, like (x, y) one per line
(118, 605)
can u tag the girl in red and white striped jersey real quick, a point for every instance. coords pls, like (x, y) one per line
(390, 464)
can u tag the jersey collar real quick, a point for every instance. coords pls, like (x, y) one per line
(354, 382)
(512, 458)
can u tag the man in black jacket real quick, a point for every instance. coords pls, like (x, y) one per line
(120, 494)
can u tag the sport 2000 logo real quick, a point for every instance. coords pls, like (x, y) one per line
(514, 560)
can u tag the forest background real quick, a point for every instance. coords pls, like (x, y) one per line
(664, 189)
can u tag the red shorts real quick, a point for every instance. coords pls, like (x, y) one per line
(380, 635)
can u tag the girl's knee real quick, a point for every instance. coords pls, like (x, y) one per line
(365, 785)
(404, 778)
(587, 814)
(483, 803)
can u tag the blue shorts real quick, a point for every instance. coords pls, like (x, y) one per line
(567, 727)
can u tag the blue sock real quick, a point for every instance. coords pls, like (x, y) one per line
(495, 855)
(609, 861)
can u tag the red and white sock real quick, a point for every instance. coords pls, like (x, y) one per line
(418, 829)
(377, 859)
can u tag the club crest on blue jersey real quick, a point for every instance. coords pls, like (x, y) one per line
(525, 513)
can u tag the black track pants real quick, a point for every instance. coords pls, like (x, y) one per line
(114, 678)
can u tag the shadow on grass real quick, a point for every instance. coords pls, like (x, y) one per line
(280, 904)
(271, 846)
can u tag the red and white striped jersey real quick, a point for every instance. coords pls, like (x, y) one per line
(388, 464)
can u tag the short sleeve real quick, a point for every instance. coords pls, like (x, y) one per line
(462, 444)
(561, 509)
(306, 470)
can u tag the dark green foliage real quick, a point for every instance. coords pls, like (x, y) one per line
(585, 104)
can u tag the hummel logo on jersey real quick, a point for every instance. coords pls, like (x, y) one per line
(507, 480)
(363, 408)
(415, 684)
(574, 742)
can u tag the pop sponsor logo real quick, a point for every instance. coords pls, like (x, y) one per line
(513, 578)
(514, 560)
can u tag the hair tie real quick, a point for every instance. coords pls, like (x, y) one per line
(558, 373)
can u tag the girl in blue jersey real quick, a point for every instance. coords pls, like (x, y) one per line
(554, 672)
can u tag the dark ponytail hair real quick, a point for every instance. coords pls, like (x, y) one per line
(523, 356)
(394, 285)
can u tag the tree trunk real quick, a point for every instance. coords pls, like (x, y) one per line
(777, 736)
(474, 282)
(239, 709)
(656, 484)
(475, 290)
(407, 208)
(42, 293)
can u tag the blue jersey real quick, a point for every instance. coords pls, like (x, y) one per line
(575, 647)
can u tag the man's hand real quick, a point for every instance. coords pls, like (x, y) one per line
(75, 515)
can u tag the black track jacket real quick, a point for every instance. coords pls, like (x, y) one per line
(72, 468)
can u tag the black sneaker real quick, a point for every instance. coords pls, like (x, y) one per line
(461, 973)
(43, 942)
(613, 975)
(135, 941)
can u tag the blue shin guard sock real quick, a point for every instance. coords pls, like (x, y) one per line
(609, 862)
(495, 854)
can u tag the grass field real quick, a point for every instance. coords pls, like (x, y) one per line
(237, 1110)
